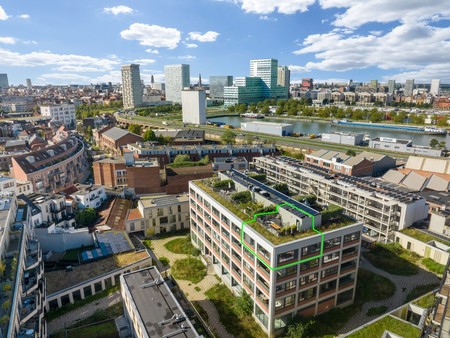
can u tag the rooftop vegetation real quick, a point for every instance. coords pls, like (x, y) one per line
(391, 324)
(423, 237)
(245, 209)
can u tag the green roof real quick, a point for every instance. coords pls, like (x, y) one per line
(423, 237)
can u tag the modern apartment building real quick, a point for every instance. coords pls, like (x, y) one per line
(4, 83)
(151, 308)
(131, 86)
(262, 84)
(158, 214)
(217, 84)
(384, 208)
(166, 154)
(288, 257)
(63, 113)
(53, 168)
(177, 78)
(435, 88)
(391, 87)
(193, 106)
(22, 310)
(284, 76)
(409, 87)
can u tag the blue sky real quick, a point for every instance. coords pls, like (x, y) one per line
(86, 41)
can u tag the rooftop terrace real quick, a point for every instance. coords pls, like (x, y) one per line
(270, 225)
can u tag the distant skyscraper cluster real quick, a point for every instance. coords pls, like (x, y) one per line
(177, 78)
(131, 86)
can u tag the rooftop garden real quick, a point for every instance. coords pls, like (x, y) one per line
(391, 324)
(423, 237)
(270, 225)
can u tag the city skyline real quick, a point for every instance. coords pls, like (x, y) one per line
(327, 40)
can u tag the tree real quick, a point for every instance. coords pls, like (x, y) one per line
(434, 143)
(265, 110)
(2, 269)
(443, 144)
(298, 330)
(244, 304)
(282, 187)
(149, 135)
(350, 152)
(86, 217)
(228, 137)
(249, 139)
(181, 158)
(135, 129)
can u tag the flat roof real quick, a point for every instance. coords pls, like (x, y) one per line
(269, 123)
(156, 305)
(163, 200)
(190, 134)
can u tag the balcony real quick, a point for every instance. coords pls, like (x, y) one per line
(29, 307)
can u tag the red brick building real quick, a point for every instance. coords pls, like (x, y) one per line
(114, 139)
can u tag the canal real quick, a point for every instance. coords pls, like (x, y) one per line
(307, 127)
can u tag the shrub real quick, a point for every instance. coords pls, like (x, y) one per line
(242, 197)
(433, 266)
(164, 261)
(258, 177)
(191, 269)
(282, 187)
(332, 212)
(182, 158)
(224, 184)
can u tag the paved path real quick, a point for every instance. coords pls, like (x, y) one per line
(82, 312)
(213, 319)
(404, 285)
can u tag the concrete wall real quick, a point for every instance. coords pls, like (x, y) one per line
(60, 242)
(426, 250)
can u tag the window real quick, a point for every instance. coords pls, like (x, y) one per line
(292, 270)
(308, 294)
(132, 226)
(334, 242)
(309, 279)
(311, 249)
(331, 257)
(351, 237)
(328, 286)
(329, 271)
(284, 302)
(286, 286)
(163, 220)
(309, 264)
(287, 256)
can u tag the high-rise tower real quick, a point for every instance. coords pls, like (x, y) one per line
(177, 78)
(4, 81)
(284, 76)
(131, 86)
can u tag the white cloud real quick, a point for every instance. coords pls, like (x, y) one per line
(118, 10)
(24, 16)
(65, 78)
(152, 35)
(77, 69)
(298, 69)
(7, 40)
(270, 6)
(398, 48)
(29, 42)
(191, 45)
(186, 57)
(357, 12)
(267, 18)
(47, 58)
(209, 36)
(3, 15)
(143, 61)
(152, 51)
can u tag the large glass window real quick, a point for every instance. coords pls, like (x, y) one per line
(287, 256)
(351, 237)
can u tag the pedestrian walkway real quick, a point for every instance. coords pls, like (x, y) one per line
(85, 311)
(404, 285)
(213, 319)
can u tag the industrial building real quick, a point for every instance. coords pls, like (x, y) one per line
(351, 139)
(273, 128)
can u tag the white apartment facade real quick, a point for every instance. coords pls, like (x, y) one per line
(89, 196)
(381, 208)
(158, 214)
(298, 276)
(177, 78)
(131, 86)
(194, 106)
(64, 113)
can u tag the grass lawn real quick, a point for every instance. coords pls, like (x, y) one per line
(394, 259)
(369, 287)
(433, 266)
(421, 290)
(106, 330)
(241, 326)
(182, 246)
(191, 269)
(388, 323)
(426, 301)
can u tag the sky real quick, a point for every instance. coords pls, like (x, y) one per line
(87, 41)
